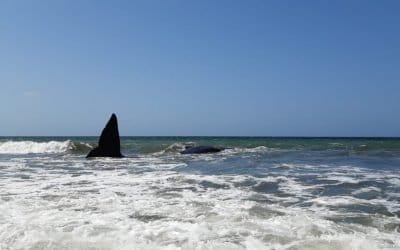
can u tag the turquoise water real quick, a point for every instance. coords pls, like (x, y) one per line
(259, 193)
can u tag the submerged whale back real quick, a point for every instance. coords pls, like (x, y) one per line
(201, 150)
(109, 142)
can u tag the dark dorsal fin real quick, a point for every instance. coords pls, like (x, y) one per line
(109, 142)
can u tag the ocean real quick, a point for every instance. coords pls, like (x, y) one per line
(259, 193)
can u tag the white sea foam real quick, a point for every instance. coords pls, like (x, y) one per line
(26, 147)
(341, 178)
(258, 149)
(366, 190)
(337, 200)
(146, 203)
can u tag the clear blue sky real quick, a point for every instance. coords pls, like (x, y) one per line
(274, 68)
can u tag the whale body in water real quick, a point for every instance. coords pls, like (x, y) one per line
(109, 142)
(201, 150)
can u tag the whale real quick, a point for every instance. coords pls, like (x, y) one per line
(109, 143)
(201, 150)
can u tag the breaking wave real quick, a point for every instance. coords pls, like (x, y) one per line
(49, 147)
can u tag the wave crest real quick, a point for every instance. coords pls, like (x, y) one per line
(32, 147)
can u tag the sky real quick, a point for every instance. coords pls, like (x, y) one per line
(198, 68)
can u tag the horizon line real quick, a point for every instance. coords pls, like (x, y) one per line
(214, 136)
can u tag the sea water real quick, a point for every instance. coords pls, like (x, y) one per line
(259, 193)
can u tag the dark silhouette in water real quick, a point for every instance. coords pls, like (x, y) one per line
(109, 143)
(201, 150)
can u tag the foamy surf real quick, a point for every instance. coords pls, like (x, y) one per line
(162, 208)
(239, 199)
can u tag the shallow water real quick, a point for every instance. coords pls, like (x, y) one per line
(261, 193)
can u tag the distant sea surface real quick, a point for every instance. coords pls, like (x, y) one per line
(259, 193)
